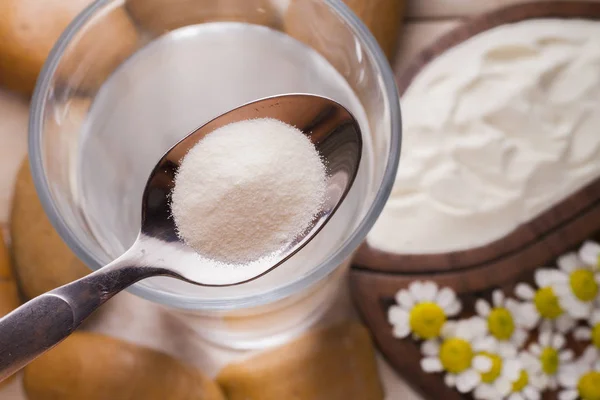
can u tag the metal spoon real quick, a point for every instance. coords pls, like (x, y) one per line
(44, 321)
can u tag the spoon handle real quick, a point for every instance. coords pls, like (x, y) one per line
(43, 322)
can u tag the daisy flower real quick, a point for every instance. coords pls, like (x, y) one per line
(581, 380)
(497, 383)
(422, 310)
(456, 354)
(529, 385)
(575, 283)
(504, 319)
(590, 332)
(547, 357)
(543, 304)
(590, 254)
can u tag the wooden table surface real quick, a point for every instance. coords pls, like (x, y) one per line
(425, 21)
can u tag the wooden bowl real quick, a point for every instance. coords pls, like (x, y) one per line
(377, 275)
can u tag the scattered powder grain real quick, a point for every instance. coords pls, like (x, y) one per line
(247, 190)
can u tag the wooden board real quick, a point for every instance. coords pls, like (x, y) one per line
(377, 276)
(436, 9)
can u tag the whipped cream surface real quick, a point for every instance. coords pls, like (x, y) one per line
(496, 130)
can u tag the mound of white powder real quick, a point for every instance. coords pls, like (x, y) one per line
(247, 190)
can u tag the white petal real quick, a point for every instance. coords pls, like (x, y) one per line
(405, 299)
(528, 315)
(548, 277)
(485, 391)
(566, 355)
(529, 361)
(575, 307)
(524, 291)
(565, 323)
(449, 329)
(568, 262)
(589, 356)
(487, 343)
(401, 331)
(595, 318)
(503, 386)
(445, 297)
(507, 349)
(531, 394)
(416, 290)
(546, 324)
(582, 333)
(430, 348)
(511, 369)
(482, 307)
(429, 291)
(568, 376)
(544, 338)
(589, 253)
(498, 298)
(535, 348)
(450, 380)
(519, 337)
(515, 396)
(397, 315)
(471, 328)
(568, 395)
(538, 381)
(558, 341)
(512, 305)
(552, 383)
(478, 327)
(431, 364)
(453, 308)
(482, 363)
(467, 381)
(562, 289)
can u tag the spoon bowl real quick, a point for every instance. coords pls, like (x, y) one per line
(44, 321)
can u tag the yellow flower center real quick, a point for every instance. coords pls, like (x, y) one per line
(546, 303)
(501, 324)
(427, 319)
(583, 284)
(596, 335)
(456, 355)
(494, 372)
(589, 386)
(521, 382)
(549, 360)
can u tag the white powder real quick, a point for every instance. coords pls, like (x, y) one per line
(247, 190)
(496, 131)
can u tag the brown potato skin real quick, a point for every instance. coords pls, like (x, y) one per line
(5, 267)
(96, 367)
(160, 16)
(30, 28)
(9, 294)
(42, 260)
(335, 363)
(382, 17)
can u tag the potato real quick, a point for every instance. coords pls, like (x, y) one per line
(42, 260)
(9, 295)
(159, 16)
(382, 17)
(97, 367)
(5, 268)
(336, 363)
(29, 29)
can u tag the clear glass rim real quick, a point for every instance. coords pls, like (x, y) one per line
(182, 301)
